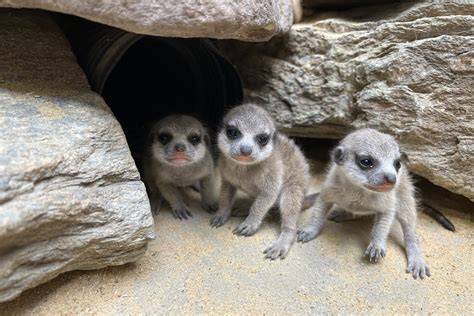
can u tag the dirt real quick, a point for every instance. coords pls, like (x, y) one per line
(192, 268)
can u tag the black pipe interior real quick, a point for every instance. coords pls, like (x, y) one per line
(144, 78)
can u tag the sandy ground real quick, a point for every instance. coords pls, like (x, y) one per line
(193, 269)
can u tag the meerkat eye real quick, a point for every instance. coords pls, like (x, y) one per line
(194, 139)
(397, 164)
(233, 133)
(262, 139)
(366, 163)
(164, 138)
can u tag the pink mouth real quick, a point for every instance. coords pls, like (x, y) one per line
(380, 188)
(179, 159)
(242, 158)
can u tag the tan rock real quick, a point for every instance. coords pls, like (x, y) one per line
(406, 69)
(70, 194)
(246, 20)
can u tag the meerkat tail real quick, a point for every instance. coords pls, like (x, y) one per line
(439, 217)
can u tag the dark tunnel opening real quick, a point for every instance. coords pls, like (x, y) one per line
(144, 78)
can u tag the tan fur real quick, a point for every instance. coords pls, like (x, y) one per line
(278, 176)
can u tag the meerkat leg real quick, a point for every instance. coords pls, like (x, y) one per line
(380, 231)
(291, 202)
(172, 195)
(156, 200)
(226, 201)
(316, 223)
(207, 193)
(416, 263)
(340, 215)
(258, 210)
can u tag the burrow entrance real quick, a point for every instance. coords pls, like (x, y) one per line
(143, 78)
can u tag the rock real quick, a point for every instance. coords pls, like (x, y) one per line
(406, 69)
(70, 194)
(246, 20)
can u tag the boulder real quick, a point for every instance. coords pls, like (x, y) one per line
(406, 69)
(70, 193)
(247, 20)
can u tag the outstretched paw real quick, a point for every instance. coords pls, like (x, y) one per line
(375, 252)
(217, 221)
(306, 234)
(246, 228)
(181, 213)
(277, 250)
(418, 268)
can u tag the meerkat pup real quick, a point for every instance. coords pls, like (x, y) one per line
(368, 176)
(178, 156)
(265, 164)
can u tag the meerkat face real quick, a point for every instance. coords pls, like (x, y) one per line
(248, 135)
(370, 159)
(179, 140)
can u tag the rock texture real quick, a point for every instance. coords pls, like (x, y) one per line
(70, 194)
(405, 69)
(247, 20)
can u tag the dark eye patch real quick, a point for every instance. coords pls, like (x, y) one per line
(397, 164)
(194, 139)
(233, 132)
(262, 139)
(164, 138)
(365, 162)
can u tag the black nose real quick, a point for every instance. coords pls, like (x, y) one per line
(245, 150)
(390, 178)
(179, 148)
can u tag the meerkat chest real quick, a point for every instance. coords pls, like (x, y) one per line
(244, 180)
(360, 202)
(183, 176)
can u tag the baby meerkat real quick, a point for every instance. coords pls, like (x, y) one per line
(177, 157)
(368, 176)
(266, 165)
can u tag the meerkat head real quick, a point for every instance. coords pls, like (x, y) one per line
(370, 159)
(247, 135)
(178, 140)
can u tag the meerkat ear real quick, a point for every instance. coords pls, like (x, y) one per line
(207, 140)
(151, 138)
(404, 158)
(275, 137)
(338, 155)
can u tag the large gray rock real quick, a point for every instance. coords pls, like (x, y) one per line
(247, 20)
(70, 194)
(404, 69)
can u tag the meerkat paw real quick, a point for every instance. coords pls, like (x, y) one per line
(246, 228)
(277, 250)
(209, 207)
(306, 234)
(375, 251)
(181, 213)
(218, 220)
(418, 268)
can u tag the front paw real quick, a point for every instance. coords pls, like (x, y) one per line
(246, 228)
(218, 220)
(375, 251)
(277, 250)
(418, 267)
(209, 207)
(306, 234)
(181, 213)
